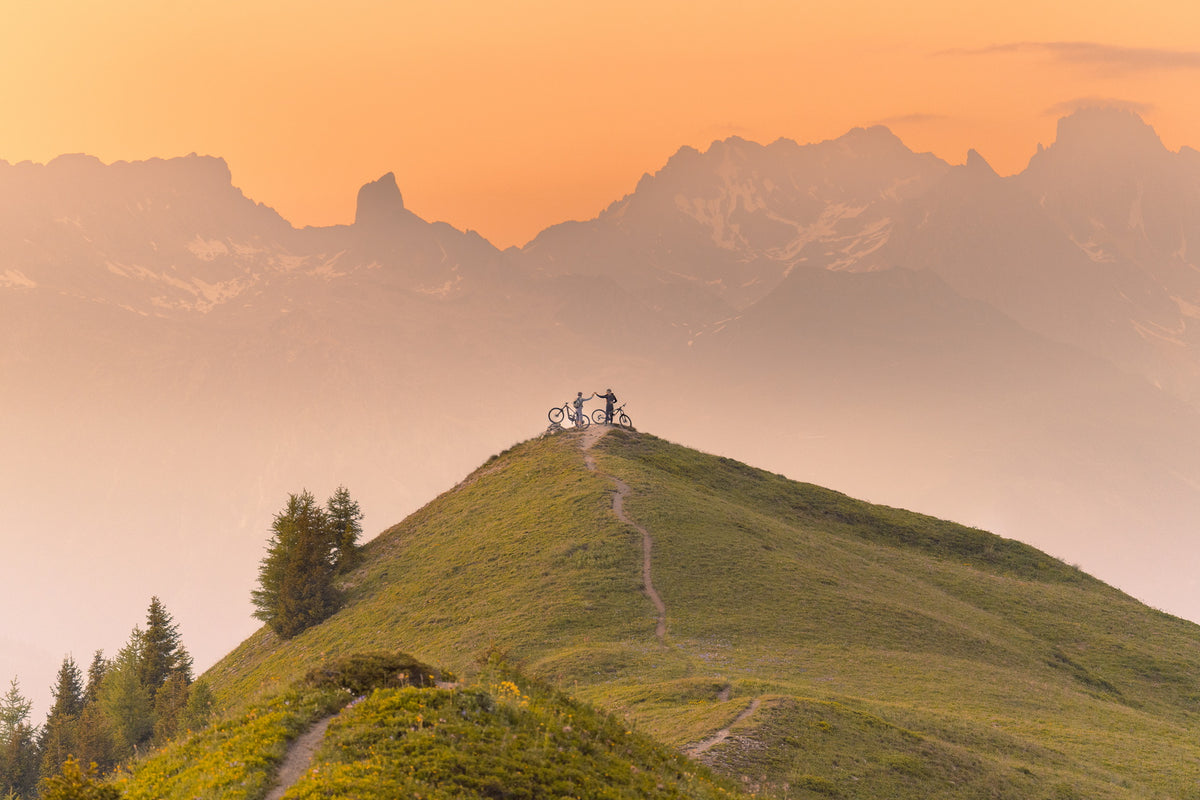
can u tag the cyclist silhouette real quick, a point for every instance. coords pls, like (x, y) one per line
(609, 400)
(578, 403)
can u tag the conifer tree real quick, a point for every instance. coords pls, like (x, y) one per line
(59, 737)
(95, 675)
(345, 523)
(18, 745)
(125, 700)
(296, 587)
(162, 653)
(94, 738)
(14, 708)
(199, 709)
(170, 703)
(68, 690)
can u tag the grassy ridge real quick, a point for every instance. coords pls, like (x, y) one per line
(496, 738)
(892, 654)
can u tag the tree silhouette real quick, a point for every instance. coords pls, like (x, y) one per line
(295, 578)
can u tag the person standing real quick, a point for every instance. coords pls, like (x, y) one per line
(578, 403)
(610, 400)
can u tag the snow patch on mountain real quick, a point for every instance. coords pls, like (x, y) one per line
(861, 244)
(1152, 331)
(715, 212)
(1186, 308)
(14, 278)
(211, 295)
(443, 290)
(207, 249)
(828, 228)
(1093, 250)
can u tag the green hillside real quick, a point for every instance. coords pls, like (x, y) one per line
(813, 646)
(495, 738)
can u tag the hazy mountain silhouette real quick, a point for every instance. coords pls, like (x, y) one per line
(1010, 352)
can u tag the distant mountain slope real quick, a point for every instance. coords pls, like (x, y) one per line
(812, 641)
(728, 224)
(1088, 246)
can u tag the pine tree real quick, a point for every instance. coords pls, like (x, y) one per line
(163, 654)
(18, 745)
(94, 677)
(60, 734)
(125, 700)
(94, 739)
(345, 523)
(14, 708)
(296, 587)
(68, 690)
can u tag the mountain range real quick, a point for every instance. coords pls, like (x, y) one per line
(1016, 353)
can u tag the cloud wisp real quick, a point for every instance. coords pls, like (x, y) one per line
(1106, 57)
(912, 119)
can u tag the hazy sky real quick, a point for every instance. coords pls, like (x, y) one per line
(506, 117)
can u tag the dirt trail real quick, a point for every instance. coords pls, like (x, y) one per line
(299, 757)
(590, 436)
(723, 734)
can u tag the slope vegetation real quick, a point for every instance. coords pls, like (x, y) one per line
(493, 739)
(812, 644)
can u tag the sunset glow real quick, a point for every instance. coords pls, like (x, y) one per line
(507, 118)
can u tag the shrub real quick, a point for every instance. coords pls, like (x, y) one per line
(359, 673)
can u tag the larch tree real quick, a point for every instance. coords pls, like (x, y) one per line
(170, 704)
(345, 524)
(125, 700)
(296, 589)
(200, 706)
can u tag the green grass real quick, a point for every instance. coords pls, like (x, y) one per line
(503, 737)
(235, 759)
(894, 655)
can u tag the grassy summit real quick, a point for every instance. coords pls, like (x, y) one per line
(814, 645)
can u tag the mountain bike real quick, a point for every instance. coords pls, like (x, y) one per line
(557, 415)
(619, 416)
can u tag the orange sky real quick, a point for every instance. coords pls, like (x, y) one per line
(506, 117)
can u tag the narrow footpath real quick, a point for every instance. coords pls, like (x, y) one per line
(723, 734)
(299, 758)
(592, 435)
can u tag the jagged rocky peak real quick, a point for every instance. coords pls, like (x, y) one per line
(977, 164)
(379, 203)
(877, 139)
(1100, 132)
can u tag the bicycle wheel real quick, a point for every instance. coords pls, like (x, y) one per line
(625, 421)
(582, 421)
(556, 415)
(599, 417)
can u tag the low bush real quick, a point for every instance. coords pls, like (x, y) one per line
(359, 673)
